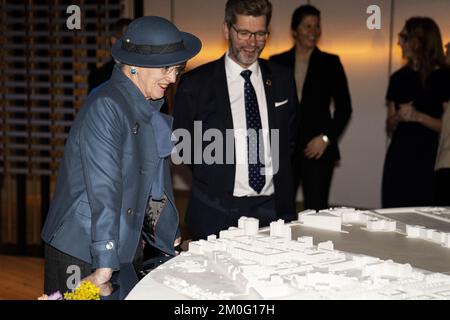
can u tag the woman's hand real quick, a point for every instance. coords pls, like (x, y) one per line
(392, 119)
(316, 147)
(407, 112)
(100, 278)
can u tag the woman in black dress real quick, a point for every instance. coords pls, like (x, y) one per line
(415, 99)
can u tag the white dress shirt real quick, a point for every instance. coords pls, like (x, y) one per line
(237, 101)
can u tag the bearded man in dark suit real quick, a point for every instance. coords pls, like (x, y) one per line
(239, 93)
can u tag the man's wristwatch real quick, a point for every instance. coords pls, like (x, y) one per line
(325, 139)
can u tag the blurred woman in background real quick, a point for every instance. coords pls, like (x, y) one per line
(415, 100)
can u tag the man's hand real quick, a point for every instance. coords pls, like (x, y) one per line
(316, 147)
(100, 278)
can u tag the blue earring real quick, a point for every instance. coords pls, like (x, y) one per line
(133, 70)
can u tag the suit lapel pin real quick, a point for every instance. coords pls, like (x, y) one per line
(269, 82)
(135, 128)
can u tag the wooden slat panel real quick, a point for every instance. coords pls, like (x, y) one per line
(43, 83)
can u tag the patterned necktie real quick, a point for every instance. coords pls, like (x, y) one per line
(255, 147)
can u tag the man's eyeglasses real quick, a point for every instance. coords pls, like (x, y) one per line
(178, 69)
(246, 35)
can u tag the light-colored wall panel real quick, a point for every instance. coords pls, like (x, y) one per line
(204, 19)
(365, 56)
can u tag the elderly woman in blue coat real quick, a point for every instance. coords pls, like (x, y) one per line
(114, 187)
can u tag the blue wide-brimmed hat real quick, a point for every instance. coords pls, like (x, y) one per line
(154, 42)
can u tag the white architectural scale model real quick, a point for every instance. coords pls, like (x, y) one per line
(245, 263)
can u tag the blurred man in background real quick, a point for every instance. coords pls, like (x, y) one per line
(99, 75)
